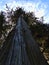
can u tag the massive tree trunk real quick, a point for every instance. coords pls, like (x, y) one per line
(20, 48)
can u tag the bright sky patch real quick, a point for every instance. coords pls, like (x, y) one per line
(40, 7)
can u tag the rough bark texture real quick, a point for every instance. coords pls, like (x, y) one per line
(21, 48)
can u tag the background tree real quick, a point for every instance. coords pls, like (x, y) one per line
(2, 20)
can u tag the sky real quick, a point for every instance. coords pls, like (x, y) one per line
(39, 7)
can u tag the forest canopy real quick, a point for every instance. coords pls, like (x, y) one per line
(39, 30)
